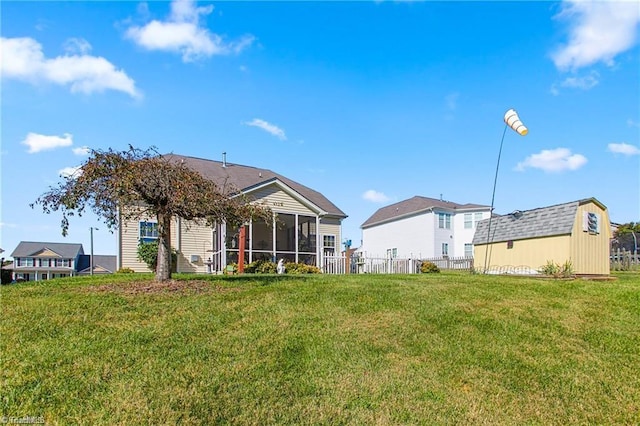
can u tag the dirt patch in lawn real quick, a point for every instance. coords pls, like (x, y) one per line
(153, 287)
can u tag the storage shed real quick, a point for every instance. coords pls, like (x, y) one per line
(525, 241)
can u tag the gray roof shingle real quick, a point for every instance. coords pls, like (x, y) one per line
(30, 248)
(415, 205)
(541, 222)
(245, 178)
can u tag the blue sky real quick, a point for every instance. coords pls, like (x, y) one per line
(369, 103)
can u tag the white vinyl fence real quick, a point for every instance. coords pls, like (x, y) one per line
(332, 264)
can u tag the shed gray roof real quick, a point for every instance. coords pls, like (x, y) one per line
(246, 178)
(541, 222)
(415, 205)
(30, 248)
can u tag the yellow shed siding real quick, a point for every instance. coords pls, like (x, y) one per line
(532, 253)
(590, 252)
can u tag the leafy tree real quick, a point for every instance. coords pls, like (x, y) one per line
(627, 236)
(135, 183)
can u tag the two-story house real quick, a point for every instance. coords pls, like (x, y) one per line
(422, 227)
(36, 261)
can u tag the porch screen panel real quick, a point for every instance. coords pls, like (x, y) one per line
(286, 233)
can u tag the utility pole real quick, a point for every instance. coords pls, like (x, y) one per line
(91, 256)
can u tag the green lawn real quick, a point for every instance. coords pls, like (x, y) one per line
(362, 349)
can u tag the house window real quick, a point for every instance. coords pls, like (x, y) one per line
(444, 220)
(468, 250)
(445, 249)
(477, 217)
(28, 261)
(392, 253)
(329, 244)
(468, 221)
(148, 231)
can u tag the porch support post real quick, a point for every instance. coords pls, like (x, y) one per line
(241, 247)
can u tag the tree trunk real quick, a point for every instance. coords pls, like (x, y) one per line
(163, 269)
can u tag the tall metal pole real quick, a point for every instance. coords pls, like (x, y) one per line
(91, 256)
(493, 197)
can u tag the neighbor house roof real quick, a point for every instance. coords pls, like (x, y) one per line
(413, 206)
(106, 262)
(32, 248)
(541, 222)
(246, 178)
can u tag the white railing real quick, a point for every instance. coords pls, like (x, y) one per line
(332, 264)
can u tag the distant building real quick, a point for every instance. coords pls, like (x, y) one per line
(37, 261)
(578, 232)
(422, 227)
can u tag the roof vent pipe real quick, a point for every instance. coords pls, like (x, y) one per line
(224, 159)
(440, 197)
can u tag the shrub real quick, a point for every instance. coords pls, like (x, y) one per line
(300, 268)
(148, 253)
(558, 271)
(125, 271)
(261, 267)
(429, 268)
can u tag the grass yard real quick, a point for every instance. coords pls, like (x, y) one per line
(361, 349)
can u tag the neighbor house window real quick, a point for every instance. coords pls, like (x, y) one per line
(329, 244)
(468, 250)
(148, 231)
(477, 217)
(468, 221)
(28, 261)
(444, 220)
(445, 249)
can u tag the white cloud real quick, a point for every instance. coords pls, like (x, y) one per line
(182, 33)
(451, 101)
(623, 148)
(70, 171)
(599, 30)
(375, 196)
(23, 59)
(267, 127)
(77, 46)
(82, 150)
(8, 225)
(632, 123)
(583, 83)
(553, 160)
(37, 143)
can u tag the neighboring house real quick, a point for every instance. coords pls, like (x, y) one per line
(422, 227)
(101, 264)
(525, 241)
(305, 224)
(36, 261)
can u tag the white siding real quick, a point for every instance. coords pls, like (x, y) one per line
(413, 237)
(462, 236)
